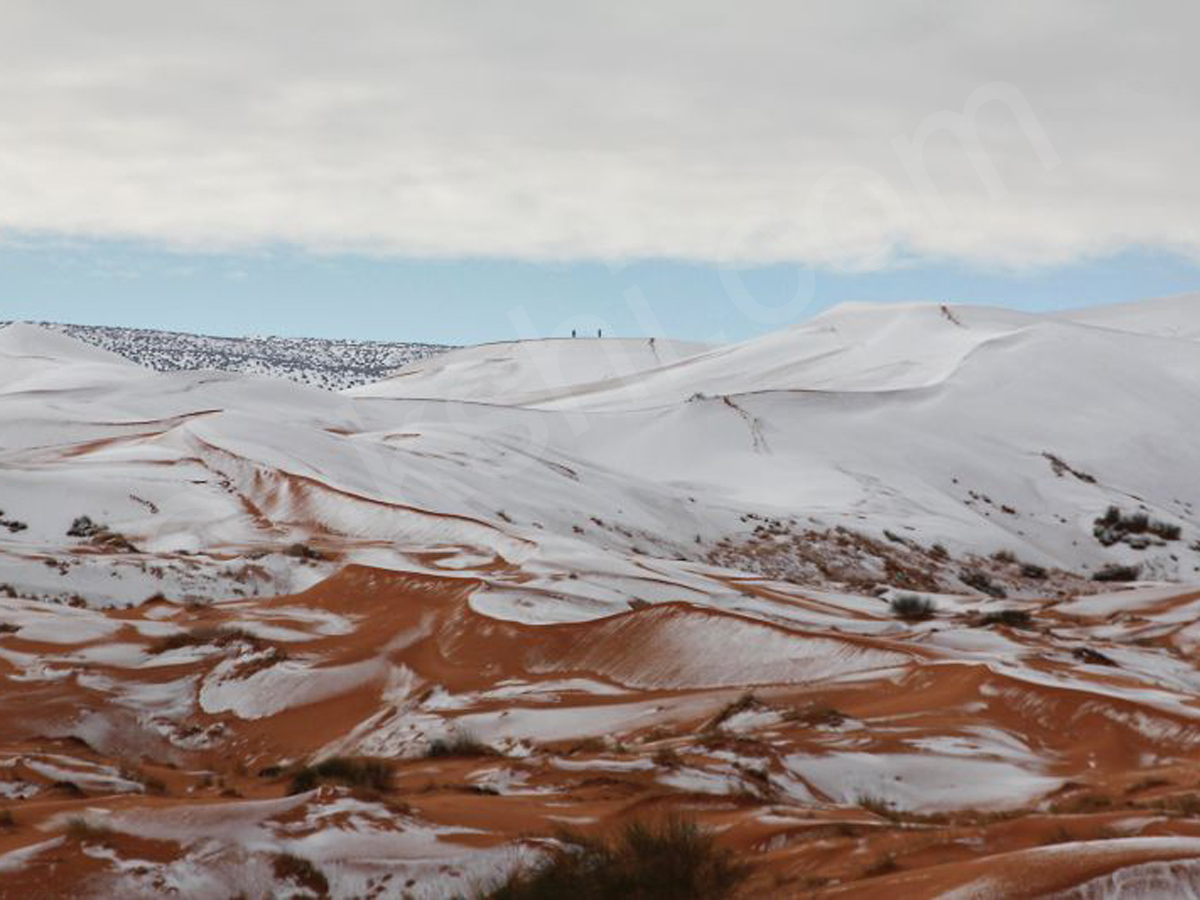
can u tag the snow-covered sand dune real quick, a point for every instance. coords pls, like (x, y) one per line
(646, 575)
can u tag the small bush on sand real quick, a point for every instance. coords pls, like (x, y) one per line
(301, 872)
(885, 865)
(151, 783)
(982, 582)
(370, 774)
(460, 743)
(741, 704)
(671, 860)
(205, 634)
(816, 714)
(1012, 618)
(100, 535)
(303, 551)
(1115, 527)
(81, 829)
(666, 758)
(912, 608)
(1118, 573)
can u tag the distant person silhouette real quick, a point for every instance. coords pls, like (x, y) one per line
(599, 333)
(572, 332)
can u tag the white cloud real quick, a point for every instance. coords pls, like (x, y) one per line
(566, 130)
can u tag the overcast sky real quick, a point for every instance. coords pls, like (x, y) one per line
(830, 135)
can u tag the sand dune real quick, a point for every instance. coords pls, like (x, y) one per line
(606, 590)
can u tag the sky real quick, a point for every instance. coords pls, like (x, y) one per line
(461, 172)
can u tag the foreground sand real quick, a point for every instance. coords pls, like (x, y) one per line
(944, 756)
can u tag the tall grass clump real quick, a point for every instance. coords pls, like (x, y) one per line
(674, 859)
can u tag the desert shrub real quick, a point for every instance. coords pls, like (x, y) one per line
(151, 783)
(102, 535)
(303, 551)
(1147, 784)
(81, 829)
(300, 871)
(741, 704)
(201, 635)
(1006, 557)
(667, 758)
(461, 743)
(671, 860)
(371, 774)
(1114, 527)
(1038, 573)
(1187, 805)
(885, 865)
(1013, 618)
(814, 714)
(982, 582)
(14, 526)
(1085, 803)
(83, 527)
(9, 628)
(938, 551)
(1094, 657)
(912, 608)
(1166, 531)
(1118, 573)
(70, 788)
(588, 745)
(878, 806)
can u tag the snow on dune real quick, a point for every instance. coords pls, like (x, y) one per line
(674, 647)
(1167, 317)
(522, 372)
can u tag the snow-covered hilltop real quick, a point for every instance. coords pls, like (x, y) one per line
(330, 364)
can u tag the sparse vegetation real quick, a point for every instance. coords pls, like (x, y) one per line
(367, 773)
(1012, 618)
(1186, 805)
(12, 525)
(880, 807)
(912, 608)
(461, 743)
(70, 788)
(741, 704)
(82, 829)
(666, 758)
(302, 872)
(885, 865)
(1084, 803)
(1136, 529)
(303, 551)
(202, 635)
(100, 535)
(1034, 572)
(816, 714)
(588, 745)
(1116, 572)
(982, 582)
(1062, 468)
(1004, 557)
(671, 860)
(151, 783)
(1093, 657)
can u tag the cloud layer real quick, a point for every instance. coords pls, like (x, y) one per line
(758, 131)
